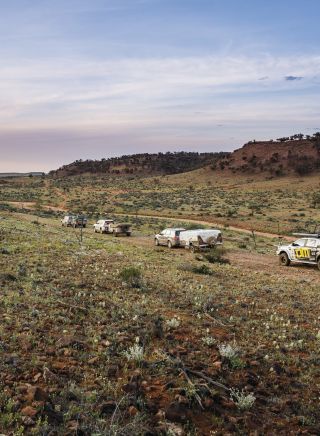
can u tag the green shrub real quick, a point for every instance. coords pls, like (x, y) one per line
(132, 276)
(216, 256)
(203, 269)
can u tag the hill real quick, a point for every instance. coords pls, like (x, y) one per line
(280, 157)
(141, 164)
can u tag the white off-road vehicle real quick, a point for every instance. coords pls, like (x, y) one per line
(169, 237)
(103, 226)
(303, 250)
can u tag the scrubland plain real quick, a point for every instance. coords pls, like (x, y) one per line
(114, 336)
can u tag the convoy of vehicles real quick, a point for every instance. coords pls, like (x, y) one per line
(198, 239)
(304, 250)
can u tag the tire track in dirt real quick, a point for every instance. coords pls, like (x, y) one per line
(209, 223)
(31, 206)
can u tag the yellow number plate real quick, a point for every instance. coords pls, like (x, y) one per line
(302, 253)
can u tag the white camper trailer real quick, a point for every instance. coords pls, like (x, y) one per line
(200, 239)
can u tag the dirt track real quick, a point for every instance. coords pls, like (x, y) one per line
(31, 205)
(269, 264)
(252, 262)
(208, 223)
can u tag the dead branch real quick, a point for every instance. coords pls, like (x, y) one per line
(208, 379)
(197, 396)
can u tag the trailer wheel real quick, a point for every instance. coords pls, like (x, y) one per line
(169, 244)
(284, 259)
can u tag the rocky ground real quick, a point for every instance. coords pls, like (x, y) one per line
(117, 337)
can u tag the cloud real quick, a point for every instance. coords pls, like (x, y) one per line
(90, 108)
(71, 92)
(292, 78)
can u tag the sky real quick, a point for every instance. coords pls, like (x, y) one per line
(90, 79)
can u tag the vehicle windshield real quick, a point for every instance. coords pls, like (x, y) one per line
(312, 243)
(299, 243)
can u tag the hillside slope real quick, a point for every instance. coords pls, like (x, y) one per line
(141, 164)
(275, 157)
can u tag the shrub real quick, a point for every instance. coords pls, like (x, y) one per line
(203, 269)
(208, 340)
(242, 400)
(132, 276)
(22, 270)
(173, 323)
(242, 245)
(204, 303)
(135, 353)
(231, 354)
(228, 351)
(216, 256)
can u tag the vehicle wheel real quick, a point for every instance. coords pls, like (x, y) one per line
(169, 244)
(156, 242)
(284, 259)
(318, 263)
(128, 234)
(84, 226)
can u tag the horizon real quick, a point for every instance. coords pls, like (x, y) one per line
(98, 79)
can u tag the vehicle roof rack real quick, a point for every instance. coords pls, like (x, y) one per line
(307, 235)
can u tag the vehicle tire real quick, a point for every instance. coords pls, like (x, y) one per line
(318, 263)
(284, 259)
(95, 230)
(156, 242)
(128, 234)
(169, 244)
(84, 226)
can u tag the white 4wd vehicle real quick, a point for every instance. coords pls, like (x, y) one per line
(304, 250)
(169, 237)
(102, 226)
(67, 221)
